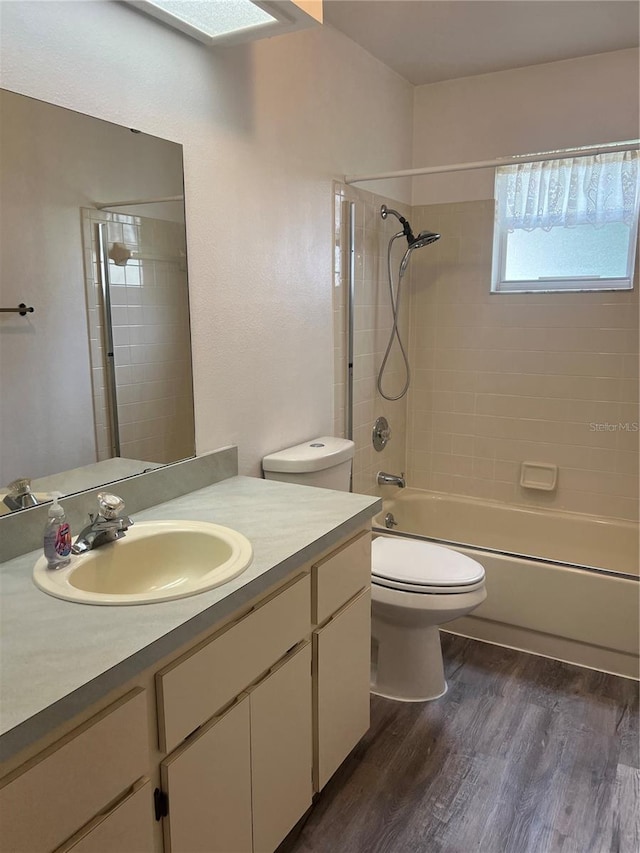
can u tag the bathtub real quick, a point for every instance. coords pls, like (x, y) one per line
(559, 584)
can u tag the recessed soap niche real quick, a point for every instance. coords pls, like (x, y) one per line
(539, 475)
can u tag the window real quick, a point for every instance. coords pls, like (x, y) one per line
(568, 224)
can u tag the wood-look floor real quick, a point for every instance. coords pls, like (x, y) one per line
(522, 755)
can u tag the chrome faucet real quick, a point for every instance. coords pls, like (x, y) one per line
(391, 479)
(108, 525)
(20, 495)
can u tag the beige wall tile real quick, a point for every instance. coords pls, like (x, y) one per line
(496, 378)
(516, 377)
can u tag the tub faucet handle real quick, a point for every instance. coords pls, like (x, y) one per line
(381, 434)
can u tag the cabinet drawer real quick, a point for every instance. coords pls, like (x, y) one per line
(44, 802)
(342, 650)
(195, 687)
(340, 576)
(126, 826)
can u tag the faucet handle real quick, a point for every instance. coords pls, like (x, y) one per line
(110, 506)
(20, 487)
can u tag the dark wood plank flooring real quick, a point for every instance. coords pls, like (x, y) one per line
(522, 755)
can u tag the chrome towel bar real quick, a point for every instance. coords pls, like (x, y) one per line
(21, 309)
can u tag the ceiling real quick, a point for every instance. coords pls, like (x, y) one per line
(427, 41)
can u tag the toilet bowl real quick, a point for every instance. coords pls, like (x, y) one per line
(416, 587)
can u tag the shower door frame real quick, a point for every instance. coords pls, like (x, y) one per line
(107, 339)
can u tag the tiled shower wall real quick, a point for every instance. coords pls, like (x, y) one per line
(150, 319)
(372, 324)
(499, 379)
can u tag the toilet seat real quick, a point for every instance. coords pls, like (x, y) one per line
(415, 566)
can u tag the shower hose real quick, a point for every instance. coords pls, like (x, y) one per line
(395, 333)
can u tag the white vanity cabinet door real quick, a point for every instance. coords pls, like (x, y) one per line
(208, 783)
(281, 750)
(127, 826)
(342, 650)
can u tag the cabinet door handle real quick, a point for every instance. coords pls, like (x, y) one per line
(160, 804)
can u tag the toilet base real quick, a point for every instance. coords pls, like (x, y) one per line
(406, 662)
(375, 692)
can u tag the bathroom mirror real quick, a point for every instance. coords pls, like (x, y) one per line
(95, 373)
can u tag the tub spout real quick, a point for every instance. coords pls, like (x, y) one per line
(391, 479)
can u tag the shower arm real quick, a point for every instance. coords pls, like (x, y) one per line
(406, 232)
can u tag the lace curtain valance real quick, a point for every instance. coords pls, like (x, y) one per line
(595, 189)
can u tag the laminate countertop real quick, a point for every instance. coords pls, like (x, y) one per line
(59, 657)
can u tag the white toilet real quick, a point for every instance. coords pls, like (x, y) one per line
(415, 586)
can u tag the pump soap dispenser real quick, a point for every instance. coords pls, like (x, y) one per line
(57, 536)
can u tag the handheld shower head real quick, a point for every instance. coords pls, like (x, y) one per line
(424, 238)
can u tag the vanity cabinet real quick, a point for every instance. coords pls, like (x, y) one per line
(78, 782)
(216, 749)
(339, 576)
(281, 749)
(124, 826)
(341, 653)
(195, 686)
(208, 784)
(242, 781)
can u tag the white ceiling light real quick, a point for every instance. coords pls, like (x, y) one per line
(231, 21)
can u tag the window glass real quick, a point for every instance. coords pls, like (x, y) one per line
(568, 252)
(567, 224)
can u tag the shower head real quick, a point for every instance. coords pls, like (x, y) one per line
(423, 238)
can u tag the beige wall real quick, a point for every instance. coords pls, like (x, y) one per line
(584, 101)
(266, 128)
(505, 378)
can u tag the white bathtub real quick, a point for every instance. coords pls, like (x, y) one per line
(559, 584)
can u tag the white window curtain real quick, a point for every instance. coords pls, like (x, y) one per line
(596, 189)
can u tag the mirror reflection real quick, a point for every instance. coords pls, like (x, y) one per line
(95, 382)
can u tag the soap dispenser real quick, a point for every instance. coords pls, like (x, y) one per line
(57, 536)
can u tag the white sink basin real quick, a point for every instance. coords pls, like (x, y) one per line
(154, 561)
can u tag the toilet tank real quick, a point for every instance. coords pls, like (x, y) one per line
(324, 462)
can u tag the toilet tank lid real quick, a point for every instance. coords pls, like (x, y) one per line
(314, 455)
